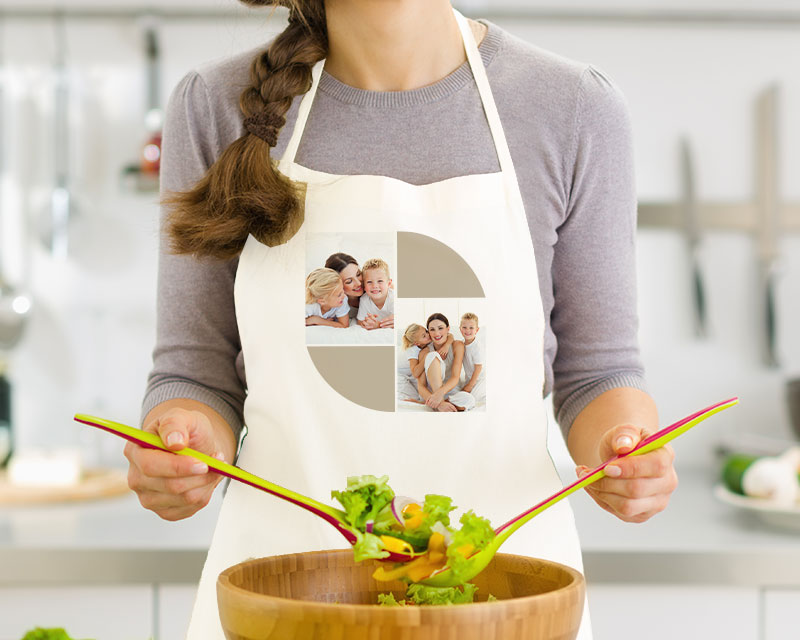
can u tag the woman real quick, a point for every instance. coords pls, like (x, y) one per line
(534, 188)
(347, 267)
(443, 391)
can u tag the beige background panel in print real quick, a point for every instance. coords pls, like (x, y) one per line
(364, 375)
(419, 255)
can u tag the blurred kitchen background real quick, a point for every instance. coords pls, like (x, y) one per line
(714, 94)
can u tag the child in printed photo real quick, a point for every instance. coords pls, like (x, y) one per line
(474, 362)
(326, 303)
(376, 305)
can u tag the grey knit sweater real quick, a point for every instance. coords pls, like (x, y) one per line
(568, 130)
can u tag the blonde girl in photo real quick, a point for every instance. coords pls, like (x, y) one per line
(326, 303)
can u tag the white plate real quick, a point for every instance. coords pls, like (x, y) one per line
(785, 517)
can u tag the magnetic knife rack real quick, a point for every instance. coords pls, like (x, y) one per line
(766, 217)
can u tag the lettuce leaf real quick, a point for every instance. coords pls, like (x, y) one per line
(364, 498)
(388, 600)
(425, 595)
(475, 532)
(367, 546)
(46, 634)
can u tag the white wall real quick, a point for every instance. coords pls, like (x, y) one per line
(88, 346)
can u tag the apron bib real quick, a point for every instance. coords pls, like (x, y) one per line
(304, 435)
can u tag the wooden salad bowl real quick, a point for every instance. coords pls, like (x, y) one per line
(326, 595)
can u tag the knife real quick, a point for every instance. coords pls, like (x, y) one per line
(768, 212)
(693, 236)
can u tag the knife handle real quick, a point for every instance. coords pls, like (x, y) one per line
(770, 322)
(699, 301)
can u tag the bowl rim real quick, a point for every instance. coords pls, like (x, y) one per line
(224, 583)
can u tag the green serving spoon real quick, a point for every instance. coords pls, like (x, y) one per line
(480, 560)
(332, 515)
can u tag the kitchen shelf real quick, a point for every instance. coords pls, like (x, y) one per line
(728, 216)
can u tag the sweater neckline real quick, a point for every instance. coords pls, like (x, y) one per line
(431, 93)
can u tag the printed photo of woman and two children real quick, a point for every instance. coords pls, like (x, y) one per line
(350, 291)
(441, 366)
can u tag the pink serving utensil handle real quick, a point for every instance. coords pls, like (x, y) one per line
(650, 443)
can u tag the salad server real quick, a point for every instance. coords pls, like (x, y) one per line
(480, 560)
(332, 515)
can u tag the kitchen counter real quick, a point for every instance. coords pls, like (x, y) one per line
(697, 540)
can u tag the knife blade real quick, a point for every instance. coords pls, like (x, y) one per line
(768, 209)
(691, 225)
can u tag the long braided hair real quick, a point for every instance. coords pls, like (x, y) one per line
(242, 192)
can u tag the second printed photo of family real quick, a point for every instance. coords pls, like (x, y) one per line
(441, 363)
(350, 288)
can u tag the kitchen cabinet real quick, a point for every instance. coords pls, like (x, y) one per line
(105, 612)
(781, 607)
(175, 603)
(666, 612)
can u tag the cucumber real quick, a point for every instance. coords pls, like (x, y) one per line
(734, 468)
(733, 471)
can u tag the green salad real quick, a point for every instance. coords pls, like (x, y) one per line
(385, 523)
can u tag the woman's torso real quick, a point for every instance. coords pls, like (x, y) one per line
(568, 131)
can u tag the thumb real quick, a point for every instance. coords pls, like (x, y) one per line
(624, 437)
(173, 431)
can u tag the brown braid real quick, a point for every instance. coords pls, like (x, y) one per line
(242, 192)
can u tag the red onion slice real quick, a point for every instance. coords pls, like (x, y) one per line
(369, 526)
(398, 504)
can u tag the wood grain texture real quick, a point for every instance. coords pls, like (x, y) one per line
(325, 595)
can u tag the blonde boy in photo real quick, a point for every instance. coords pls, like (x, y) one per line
(326, 304)
(376, 305)
(474, 362)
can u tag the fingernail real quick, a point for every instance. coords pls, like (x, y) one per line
(624, 441)
(220, 456)
(613, 472)
(199, 468)
(176, 437)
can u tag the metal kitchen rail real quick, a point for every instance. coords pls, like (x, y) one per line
(707, 17)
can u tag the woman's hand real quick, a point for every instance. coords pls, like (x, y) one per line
(435, 399)
(176, 487)
(387, 323)
(636, 487)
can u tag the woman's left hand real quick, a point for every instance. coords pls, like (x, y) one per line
(635, 487)
(435, 399)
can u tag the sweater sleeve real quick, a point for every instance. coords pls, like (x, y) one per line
(594, 272)
(197, 353)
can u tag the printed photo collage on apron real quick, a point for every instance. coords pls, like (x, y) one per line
(377, 304)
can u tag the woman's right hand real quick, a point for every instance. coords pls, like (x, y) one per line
(175, 487)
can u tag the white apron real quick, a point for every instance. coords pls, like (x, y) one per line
(304, 436)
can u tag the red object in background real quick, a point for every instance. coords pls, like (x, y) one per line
(151, 154)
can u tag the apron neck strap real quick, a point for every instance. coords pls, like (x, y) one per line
(481, 80)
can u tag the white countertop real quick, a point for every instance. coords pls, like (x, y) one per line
(696, 540)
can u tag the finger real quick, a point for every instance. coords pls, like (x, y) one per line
(172, 486)
(625, 437)
(627, 509)
(635, 488)
(655, 464)
(162, 464)
(173, 429)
